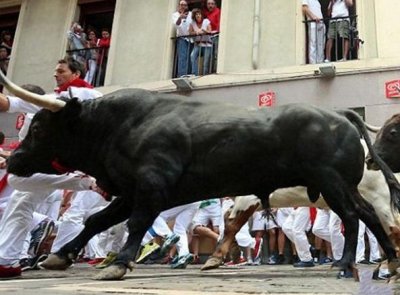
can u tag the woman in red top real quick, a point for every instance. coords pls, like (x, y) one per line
(104, 44)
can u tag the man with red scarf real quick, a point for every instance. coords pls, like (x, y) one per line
(29, 192)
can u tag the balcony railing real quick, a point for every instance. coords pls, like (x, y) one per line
(317, 40)
(95, 62)
(195, 55)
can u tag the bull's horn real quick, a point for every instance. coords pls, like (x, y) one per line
(372, 128)
(44, 101)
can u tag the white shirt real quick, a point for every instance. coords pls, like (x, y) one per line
(314, 6)
(339, 9)
(183, 28)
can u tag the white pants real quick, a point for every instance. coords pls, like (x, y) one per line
(327, 226)
(113, 239)
(183, 220)
(28, 194)
(373, 244)
(316, 44)
(92, 65)
(83, 205)
(295, 227)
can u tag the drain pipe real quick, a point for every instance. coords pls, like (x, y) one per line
(256, 34)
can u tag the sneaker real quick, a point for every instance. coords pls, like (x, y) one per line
(183, 261)
(375, 261)
(10, 271)
(241, 261)
(309, 263)
(325, 260)
(147, 250)
(25, 264)
(281, 259)
(364, 261)
(272, 260)
(169, 242)
(257, 261)
(257, 248)
(326, 61)
(111, 256)
(42, 231)
(250, 261)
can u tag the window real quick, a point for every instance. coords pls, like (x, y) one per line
(318, 49)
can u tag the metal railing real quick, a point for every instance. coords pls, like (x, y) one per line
(195, 57)
(95, 62)
(341, 49)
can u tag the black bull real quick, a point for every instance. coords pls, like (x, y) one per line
(156, 151)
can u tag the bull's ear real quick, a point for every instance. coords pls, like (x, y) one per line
(71, 111)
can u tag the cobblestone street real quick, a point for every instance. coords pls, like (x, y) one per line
(161, 280)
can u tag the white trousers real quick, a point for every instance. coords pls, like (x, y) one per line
(316, 42)
(373, 244)
(28, 194)
(327, 226)
(183, 219)
(83, 205)
(295, 227)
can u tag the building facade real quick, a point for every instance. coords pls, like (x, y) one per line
(262, 49)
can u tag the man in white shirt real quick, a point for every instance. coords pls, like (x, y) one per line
(29, 192)
(182, 19)
(316, 30)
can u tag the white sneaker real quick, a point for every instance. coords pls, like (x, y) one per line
(326, 61)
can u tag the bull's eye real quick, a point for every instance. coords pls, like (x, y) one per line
(393, 132)
(37, 132)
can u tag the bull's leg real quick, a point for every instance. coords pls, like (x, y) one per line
(368, 216)
(118, 211)
(232, 226)
(338, 198)
(138, 224)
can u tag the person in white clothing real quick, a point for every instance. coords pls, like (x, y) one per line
(327, 226)
(295, 228)
(183, 216)
(181, 20)
(31, 191)
(316, 30)
(374, 253)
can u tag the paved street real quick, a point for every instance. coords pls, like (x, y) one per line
(161, 280)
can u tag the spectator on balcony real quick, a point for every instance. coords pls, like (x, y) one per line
(200, 27)
(340, 24)
(76, 41)
(316, 30)
(104, 44)
(92, 57)
(182, 19)
(4, 59)
(213, 14)
(6, 41)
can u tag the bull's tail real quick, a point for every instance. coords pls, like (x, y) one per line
(394, 186)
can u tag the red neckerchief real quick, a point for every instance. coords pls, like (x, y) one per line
(75, 83)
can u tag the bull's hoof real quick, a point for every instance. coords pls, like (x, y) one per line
(212, 263)
(113, 272)
(55, 262)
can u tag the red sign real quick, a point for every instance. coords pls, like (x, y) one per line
(266, 99)
(392, 89)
